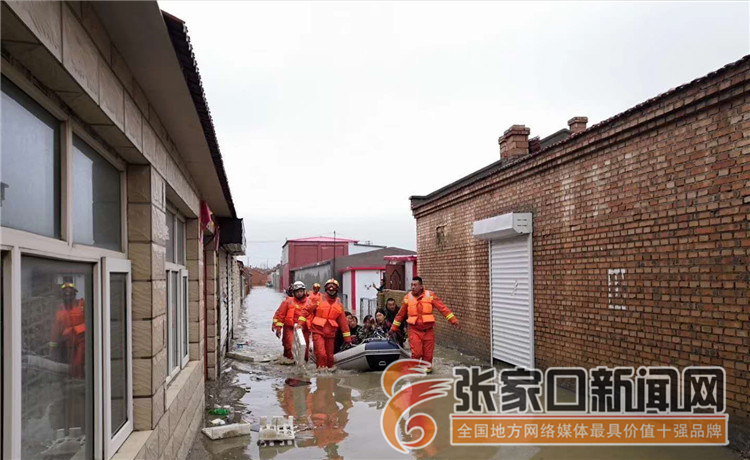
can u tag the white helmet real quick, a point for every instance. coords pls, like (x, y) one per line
(297, 285)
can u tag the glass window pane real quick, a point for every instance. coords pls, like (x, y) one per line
(170, 237)
(96, 199)
(185, 341)
(180, 236)
(118, 286)
(57, 370)
(29, 165)
(173, 343)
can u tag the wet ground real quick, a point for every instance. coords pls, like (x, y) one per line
(337, 415)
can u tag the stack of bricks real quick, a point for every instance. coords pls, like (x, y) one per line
(660, 193)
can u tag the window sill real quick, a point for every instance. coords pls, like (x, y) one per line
(178, 382)
(132, 445)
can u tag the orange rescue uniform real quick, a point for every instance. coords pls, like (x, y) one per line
(421, 320)
(315, 297)
(290, 312)
(68, 338)
(327, 318)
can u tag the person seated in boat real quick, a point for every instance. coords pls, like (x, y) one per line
(380, 328)
(374, 328)
(391, 310)
(367, 328)
(354, 328)
(339, 342)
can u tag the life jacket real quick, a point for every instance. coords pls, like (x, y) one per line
(420, 308)
(294, 310)
(70, 335)
(71, 322)
(328, 313)
(315, 298)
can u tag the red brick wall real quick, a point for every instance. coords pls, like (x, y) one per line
(259, 277)
(662, 191)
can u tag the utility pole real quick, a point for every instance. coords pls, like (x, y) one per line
(334, 254)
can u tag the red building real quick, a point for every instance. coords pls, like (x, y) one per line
(305, 251)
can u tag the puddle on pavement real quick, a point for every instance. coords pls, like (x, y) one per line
(338, 415)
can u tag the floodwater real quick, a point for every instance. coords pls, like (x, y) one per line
(337, 415)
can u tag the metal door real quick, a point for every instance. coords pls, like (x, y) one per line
(512, 301)
(395, 276)
(230, 302)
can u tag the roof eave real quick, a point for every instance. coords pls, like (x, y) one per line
(139, 32)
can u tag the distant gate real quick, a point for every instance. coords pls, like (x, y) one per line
(367, 307)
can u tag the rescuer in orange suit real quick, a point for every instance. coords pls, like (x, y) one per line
(327, 318)
(292, 310)
(417, 308)
(315, 296)
(68, 339)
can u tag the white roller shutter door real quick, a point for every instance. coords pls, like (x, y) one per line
(511, 301)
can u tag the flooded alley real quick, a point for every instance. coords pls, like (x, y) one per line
(337, 415)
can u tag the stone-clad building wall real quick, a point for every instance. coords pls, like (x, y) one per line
(662, 191)
(64, 51)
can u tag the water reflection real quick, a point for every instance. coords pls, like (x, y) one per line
(324, 408)
(339, 415)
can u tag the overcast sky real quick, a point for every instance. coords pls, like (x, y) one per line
(330, 115)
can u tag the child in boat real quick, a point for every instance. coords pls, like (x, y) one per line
(354, 328)
(369, 329)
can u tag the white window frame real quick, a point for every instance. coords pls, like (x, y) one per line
(172, 368)
(179, 219)
(113, 442)
(182, 310)
(13, 327)
(185, 313)
(78, 131)
(20, 243)
(183, 352)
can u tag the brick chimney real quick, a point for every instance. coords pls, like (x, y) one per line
(577, 124)
(535, 144)
(515, 142)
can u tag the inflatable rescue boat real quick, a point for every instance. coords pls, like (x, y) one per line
(373, 355)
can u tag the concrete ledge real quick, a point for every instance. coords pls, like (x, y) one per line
(176, 385)
(503, 226)
(133, 445)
